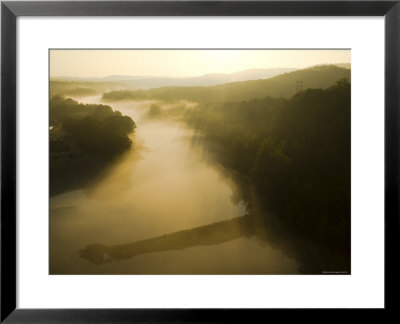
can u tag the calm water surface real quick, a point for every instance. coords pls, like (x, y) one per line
(163, 186)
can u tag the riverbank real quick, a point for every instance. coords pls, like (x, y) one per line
(84, 141)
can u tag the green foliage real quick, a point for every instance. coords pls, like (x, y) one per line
(81, 92)
(79, 88)
(98, 136)
(84, 140)
(93, 128)
(61, 109)
(59, 146)
(120, 95)
(154, 111)
(297, 153)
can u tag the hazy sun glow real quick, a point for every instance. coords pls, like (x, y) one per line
(182, 63)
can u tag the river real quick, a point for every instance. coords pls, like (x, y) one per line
(163, 208)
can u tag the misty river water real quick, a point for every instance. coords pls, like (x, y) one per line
(162, 186)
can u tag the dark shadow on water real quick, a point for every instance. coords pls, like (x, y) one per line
(212, 234)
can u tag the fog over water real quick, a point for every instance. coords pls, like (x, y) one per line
(162, 186)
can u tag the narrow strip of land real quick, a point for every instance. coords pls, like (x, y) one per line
(211, 234)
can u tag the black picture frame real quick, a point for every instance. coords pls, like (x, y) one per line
(10, 10)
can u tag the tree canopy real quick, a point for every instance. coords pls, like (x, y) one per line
(296, 152)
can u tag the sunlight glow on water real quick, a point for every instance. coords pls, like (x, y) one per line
(160, 187)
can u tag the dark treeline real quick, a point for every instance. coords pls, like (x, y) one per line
(280, 86)
(76, 88)
(84, 138)
(297, 154)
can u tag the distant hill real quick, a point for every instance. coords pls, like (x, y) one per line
(344, 65)
(148, 82)
(283, 85)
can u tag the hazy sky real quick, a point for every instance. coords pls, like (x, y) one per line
(180, 63)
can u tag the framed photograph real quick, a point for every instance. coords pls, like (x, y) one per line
(190, 161)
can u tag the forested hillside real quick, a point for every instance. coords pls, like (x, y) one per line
(297, 154)
(281, 86)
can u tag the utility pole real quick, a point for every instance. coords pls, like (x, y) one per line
(299, 85)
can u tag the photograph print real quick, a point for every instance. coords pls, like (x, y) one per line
(214, 161)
